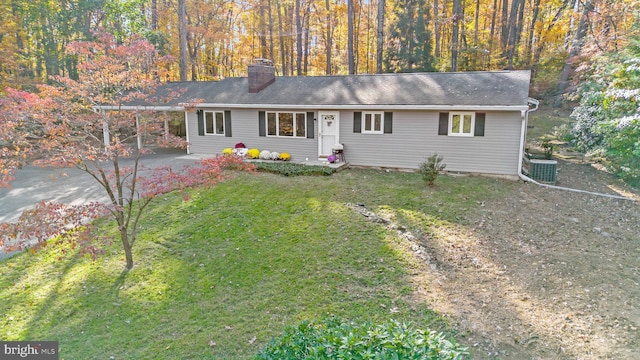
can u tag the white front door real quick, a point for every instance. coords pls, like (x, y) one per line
(328, 132)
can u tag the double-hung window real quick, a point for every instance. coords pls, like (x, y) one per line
(287, 124)
(372, 122)
(461, 123)
(214, 122)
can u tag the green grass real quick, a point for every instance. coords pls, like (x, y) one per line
(543, 122)
(236, 263)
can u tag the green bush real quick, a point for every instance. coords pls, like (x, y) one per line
(607, 118)
(333, 338)
(563, 133)
(547, 147)
(430, 168)
(293, 169)
(622, 156)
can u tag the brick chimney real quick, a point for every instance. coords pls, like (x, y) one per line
(261, 75)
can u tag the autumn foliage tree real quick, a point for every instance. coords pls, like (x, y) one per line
(61, 126)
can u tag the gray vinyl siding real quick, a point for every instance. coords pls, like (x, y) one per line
(415, 137)
(244, 125)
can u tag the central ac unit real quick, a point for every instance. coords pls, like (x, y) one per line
(541, 170)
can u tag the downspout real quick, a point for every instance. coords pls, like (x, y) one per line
(523, 131)
(523, 136)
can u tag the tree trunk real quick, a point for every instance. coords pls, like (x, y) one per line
(283, 56)
(192, 51)
(350, 19)
(436, 30)
(576, 46)
(194, 67)
(512, 33)
(298, 39)
(380, 42)
(519, 29)
(154, 15)
(444, 19)
(356, 36)
(291, 46)
(128, 249)
(530, 40)
(492, 30)
(504, 24)
(305, 59)
(262, 28)
(329, 37)
(457, 16)
(182, 34)
(476, 29)
(271, 54)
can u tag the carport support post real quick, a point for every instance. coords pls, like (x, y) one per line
(105, 133)
(166, 126)
(138, 137)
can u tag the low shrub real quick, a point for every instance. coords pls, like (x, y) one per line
(334, 338)
(430, 168)
(293, 169)
(547, 147)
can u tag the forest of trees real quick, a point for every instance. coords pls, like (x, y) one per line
(213, 39)
(584, 51)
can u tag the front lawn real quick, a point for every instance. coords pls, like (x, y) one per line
(218, 276)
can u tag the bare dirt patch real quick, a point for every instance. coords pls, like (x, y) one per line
(542, 273)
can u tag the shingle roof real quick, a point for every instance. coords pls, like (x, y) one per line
(499, 88)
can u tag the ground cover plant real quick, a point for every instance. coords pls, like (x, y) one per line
(221, 274)
(334, 338)
(293, 169)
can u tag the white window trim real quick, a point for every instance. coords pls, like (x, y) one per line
(462, 114)
(214, 123)
(295, 119)
(373, 114)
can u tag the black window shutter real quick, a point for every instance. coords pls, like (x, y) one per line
(200, 114)
(388, 122)
(357, 122)
(479, 126)
(262, 126)
(227, 123)
(310, 128)
(443, 125)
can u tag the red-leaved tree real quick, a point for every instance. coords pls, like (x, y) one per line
(61, 125)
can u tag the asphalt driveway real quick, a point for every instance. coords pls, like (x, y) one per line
(69, 186)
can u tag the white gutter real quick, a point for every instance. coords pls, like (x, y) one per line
(366, 107)
(523, 136)
(139, 108)
(181, 107)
